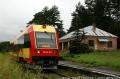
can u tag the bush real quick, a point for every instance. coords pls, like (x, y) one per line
(5, 46)
(77, 47)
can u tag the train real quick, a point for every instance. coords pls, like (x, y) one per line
(38, 45)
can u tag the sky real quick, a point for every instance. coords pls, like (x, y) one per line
(15, 14)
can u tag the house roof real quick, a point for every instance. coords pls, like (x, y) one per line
(90, 32)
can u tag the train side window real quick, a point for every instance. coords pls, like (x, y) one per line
(21, 42)
(27, 43)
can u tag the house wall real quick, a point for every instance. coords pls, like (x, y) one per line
(114, 44)
(102, 46)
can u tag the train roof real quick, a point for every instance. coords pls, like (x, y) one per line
(41, 28)
(38, 28)
(35, 28)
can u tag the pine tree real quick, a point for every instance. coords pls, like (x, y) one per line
(49, 17)
(106, 14)
(83, 15)
(76, 45)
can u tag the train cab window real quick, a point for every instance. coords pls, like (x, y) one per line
(45, 40)
(27, 43)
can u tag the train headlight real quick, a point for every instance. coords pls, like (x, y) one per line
(38, 51)
(44, 26)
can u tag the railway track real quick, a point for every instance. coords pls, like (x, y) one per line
(90, 71)
(65, 73)
(47, 73)
(58, 74)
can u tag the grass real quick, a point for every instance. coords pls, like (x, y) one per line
(99, 59)
(9, 69)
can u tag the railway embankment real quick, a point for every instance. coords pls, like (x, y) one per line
(90, 70)
(106, 63)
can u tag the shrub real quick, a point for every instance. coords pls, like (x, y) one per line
(78, 47)
(5, 46)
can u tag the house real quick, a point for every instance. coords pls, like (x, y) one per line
(96, 38)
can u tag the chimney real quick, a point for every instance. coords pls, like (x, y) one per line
(94, 26)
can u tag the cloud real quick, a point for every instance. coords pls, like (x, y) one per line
(14, 14)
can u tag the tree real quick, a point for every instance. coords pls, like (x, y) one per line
(83, 15)
(106, 14)
(60, 31)
(76, 45)
(49, 17)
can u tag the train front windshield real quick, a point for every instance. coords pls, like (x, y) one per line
(45, 40)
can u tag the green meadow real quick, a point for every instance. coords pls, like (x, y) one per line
(98, 59)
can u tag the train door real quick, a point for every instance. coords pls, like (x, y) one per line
(27, 46)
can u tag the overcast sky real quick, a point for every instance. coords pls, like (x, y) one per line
(14, 14)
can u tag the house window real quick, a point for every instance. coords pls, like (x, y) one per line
(91, 42)
(109, 44)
